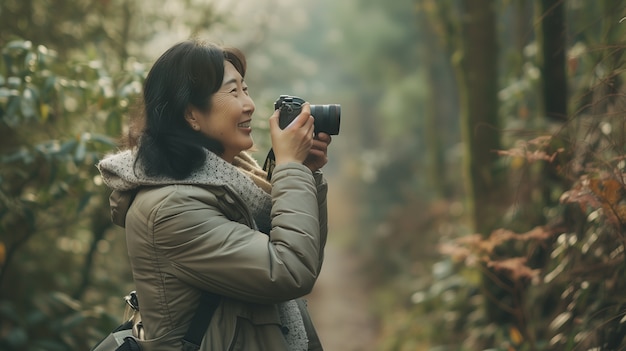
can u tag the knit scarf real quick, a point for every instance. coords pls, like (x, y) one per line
(245, 178)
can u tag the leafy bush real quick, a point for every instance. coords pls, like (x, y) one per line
(54, 217)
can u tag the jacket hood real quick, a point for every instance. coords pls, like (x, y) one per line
(120, 174)
(118, 171)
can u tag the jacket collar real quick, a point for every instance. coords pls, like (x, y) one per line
(244, 178)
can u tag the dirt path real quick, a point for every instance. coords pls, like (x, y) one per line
(340, 301)
(339, 304)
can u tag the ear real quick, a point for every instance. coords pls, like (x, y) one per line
(191, 116)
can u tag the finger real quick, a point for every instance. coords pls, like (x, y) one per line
(303, 117)
(306, 108)
(324, 137)
(316, 155)
(320, 151)
(274, 119)
(310, 126)
(301, 121)
(319, 145)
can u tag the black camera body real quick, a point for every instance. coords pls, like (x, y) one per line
(327, 117)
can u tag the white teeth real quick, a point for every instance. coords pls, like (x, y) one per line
(244, 124)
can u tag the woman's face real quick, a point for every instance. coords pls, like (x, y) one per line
(228, 120)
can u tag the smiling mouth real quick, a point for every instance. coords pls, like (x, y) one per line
(244, 124)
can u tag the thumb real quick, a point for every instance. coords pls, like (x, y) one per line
(274, 119)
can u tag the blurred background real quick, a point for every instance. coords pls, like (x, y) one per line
(477, 197)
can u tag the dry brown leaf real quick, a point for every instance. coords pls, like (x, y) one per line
(516, 268)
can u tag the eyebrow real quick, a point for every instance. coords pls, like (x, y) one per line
(232, 80)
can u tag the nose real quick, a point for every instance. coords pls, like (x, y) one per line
(248, 104)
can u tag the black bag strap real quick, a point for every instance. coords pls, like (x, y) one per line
(129, 344)
(269, 164)
(199, 324)
(200, 321)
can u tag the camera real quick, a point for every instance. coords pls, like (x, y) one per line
(327, 117)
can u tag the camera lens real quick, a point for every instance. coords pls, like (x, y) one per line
(327, 118)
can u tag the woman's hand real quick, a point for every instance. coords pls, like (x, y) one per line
(318, 155)
(293, 143)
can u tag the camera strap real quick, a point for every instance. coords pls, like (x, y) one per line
(270, 164)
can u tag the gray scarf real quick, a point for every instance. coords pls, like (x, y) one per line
(245, 178)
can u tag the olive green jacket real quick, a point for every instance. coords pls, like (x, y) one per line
(184, 239)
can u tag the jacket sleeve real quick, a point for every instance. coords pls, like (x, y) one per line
(209, 250)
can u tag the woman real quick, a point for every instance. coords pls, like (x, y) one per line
(200, 216)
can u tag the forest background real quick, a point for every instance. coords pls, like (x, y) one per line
(478, 176)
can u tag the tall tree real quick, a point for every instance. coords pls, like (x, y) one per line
(439, 113)
(551, 37)
(477, 73)
(467, 30)
(472, 44)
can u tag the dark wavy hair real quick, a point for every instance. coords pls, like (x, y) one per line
(187, 74)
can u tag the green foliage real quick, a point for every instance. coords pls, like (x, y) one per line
(53, 214)
(63, 104)
(559, 260)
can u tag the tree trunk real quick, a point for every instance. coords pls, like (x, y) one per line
(477, 72)
(551, 38)
(435, 113)
(552, 44)
(477, 75)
